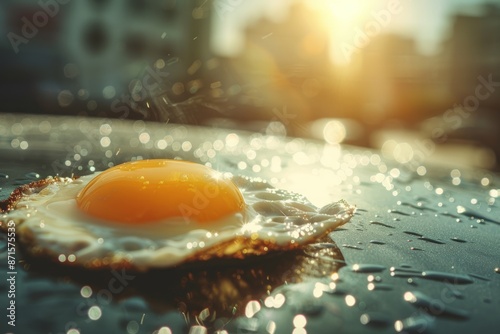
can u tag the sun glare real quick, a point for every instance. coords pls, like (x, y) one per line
(342, 18)
(346, 11)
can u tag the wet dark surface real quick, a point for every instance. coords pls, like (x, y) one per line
(421, 255)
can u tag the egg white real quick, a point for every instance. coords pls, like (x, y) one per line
(49, 223)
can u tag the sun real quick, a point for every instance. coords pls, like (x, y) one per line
(346, 11)
(342, 18)
(340, 13)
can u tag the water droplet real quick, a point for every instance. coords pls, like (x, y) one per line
(433, 306)
(410, 281)
(204, 314)
(133, 328)
(419, 206)
(447, 214)
(381, 224)
(457, 294)
(94, 313)
(367, 268)
(350, 300)
(447, 277)
(415, 325)
(86, 291)
(299, 321)
(379, 287)
(372, 278)
(434, 241)
(398, 212)
(32, 175)
(352, 247)
(404, 272)
(374, 319)
(270, 327)
(457, 239)
(164, 330)
(482, 278)
(275, 302)
(336, 290)
(376, 242)
(65, 98)
(251, 308)
(198, 329)
(413, 233)
(421, 237)
(475, 215)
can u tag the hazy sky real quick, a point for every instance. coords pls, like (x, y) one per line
(428, 21)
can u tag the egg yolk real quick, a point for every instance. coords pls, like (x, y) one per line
(152, 190)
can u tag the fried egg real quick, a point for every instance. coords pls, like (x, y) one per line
(162, 213)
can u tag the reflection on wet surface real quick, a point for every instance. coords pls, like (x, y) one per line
(419, 256)
(222, 290)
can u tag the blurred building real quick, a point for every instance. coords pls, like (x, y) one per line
(396, 82)
(285, 65)
(474, 50)
(452, 97)
(30, 65)
(113, 42)
(473, 54)
(389, 79)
